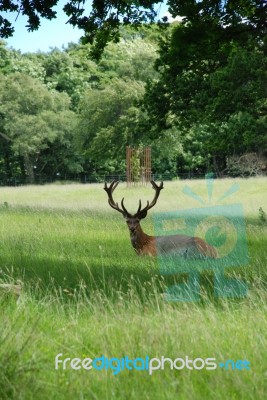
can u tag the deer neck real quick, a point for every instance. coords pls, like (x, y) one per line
(139, 239)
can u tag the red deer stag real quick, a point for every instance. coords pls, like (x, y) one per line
(153, 245)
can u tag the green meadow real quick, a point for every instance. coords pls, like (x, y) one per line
(83, 292)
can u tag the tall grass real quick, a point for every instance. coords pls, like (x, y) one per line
(87, 294)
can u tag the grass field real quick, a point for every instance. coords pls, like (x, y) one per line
(86, 294)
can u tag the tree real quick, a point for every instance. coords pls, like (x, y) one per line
(69, 72)
(32, 119)
(132, 59)
(204, 102)
(118, 79)
(105, 118)
(5, 58)
(211, 89)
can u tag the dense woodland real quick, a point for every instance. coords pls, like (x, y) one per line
(196, 93)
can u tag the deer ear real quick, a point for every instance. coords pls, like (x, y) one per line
(127, 215)
(142, 214)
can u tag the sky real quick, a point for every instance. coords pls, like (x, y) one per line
(55, 33)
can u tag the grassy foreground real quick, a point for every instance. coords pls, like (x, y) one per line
(86, 294)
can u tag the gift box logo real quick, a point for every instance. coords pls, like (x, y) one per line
(220, 226)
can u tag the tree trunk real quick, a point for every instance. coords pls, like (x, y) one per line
(215, 166)
(28, 169)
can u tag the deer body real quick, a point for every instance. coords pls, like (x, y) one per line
(144, 244)
(183, 245)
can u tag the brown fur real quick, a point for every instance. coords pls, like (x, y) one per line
(146, 245)
(143, 243)
(205, 249)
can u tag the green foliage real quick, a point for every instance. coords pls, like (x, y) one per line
(32, 118)
(104, 129)
(69, 71)
(104, 98)
(129, 59)
(5, 57)
(211, 88)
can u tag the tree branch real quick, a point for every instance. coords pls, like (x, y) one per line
(6, 137)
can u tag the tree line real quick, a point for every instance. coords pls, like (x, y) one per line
(194, 91)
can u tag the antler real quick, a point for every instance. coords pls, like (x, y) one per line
(110, 189)
(157, 188)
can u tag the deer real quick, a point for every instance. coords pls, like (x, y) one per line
(144, 244)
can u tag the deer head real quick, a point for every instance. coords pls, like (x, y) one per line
(133, 221)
